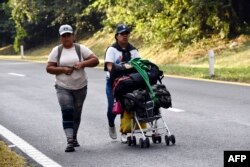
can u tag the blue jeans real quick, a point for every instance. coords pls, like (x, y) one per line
(110, 97)
(71, 102)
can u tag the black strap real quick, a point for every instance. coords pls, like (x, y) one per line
(78, 51)
(126, 55)
(60, 48)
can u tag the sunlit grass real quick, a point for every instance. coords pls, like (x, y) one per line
(9, 158)
(43, 58)
(230, 63)
(224, 74)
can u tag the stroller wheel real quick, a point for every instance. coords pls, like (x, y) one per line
(154, 139)
(167, 139)
(159, 139)
(172, 139)
(129, 140)
(147, 142)
(134, 141)
(141, 142)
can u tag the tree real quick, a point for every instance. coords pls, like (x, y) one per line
(7, 29)
(176, 22)
(36, 19)
(23, 12)
(168, 22)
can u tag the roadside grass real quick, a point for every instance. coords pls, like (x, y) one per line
(231, 63)
(25, 58)
(9, 158)
(223, 74)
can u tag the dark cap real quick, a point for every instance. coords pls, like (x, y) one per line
(122, 28)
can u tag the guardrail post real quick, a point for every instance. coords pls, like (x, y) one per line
(211, 62)
(22, 52)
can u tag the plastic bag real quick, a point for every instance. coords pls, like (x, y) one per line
(125, 126)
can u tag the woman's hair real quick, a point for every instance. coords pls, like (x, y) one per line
(116, 36)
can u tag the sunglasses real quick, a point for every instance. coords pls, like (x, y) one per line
(66, 35)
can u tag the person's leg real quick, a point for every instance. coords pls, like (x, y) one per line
(65, 100)
(110, 115)
(79, 97)
(109, 93)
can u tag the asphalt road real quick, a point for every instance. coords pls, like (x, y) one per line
(215, 117)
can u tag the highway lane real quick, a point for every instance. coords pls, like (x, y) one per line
(216, 118)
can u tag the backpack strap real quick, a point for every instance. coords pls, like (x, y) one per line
(78, 51)
(117, 82)
(60, 48)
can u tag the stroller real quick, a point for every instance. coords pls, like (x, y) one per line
(142, 96)
(146, 110)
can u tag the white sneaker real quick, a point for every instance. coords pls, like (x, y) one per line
(112, 133)
(124, 138)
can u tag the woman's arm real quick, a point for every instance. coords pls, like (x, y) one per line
(91, 61)
(52, 68)
(109, 66)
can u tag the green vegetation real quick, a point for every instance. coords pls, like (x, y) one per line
(175, 23)
(10, 158)
(224, 74)
(231, 63)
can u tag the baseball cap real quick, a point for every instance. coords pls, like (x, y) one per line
(65, 29)
(122, 28)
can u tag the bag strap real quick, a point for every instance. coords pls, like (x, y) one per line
(78, 51)
(141, 67)
(60, 48)
(117, 82)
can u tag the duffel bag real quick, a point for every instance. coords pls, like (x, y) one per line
(135, 101)
(125, 84)
(163, 96)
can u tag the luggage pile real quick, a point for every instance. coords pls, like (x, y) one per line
(135, 101)
(139, 91)
(130, 88)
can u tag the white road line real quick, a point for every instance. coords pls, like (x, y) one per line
(175, 110)
(16, 74)
(28, 149)
(241, 123)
